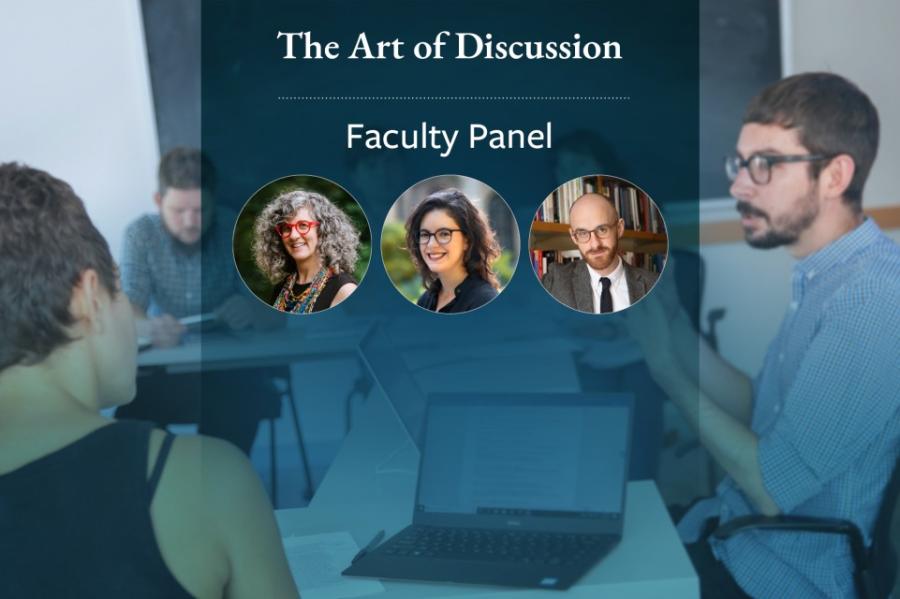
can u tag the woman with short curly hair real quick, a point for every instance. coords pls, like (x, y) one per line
(307, 247)
(453, 247)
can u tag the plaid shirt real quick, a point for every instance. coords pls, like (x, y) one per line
(162, 276)
(826, 415)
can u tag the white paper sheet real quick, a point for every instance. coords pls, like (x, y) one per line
(317, 561)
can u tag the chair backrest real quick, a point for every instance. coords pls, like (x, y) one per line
(882, 570)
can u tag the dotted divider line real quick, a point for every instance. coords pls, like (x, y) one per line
(453, 98)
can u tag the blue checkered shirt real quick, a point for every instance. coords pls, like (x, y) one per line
(826, 415)
(161, 276)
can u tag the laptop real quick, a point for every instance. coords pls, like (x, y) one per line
(520, 491)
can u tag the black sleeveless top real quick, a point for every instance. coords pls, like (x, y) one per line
(323, 302)
(76, 522)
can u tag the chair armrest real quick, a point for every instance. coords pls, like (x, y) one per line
(800, 524)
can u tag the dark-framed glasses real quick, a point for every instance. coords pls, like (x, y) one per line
(760, 165)
(442, 236)
(602, 232)
(303, 227)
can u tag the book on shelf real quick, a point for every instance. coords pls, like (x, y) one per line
(651, 262)
(542, 259)
(632, 204)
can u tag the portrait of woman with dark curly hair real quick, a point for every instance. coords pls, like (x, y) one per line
(453, 247)
(307, 248)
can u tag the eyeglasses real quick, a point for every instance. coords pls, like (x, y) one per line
(442, 236)
(303, 227)
(602, 232)
(760, 165)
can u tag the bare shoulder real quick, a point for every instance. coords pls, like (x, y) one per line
(215, 453)
(214, 468)
(221, 523)
(196, 450)
(343, 293)
(185, 529)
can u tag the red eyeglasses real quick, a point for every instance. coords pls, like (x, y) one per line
(303, 227)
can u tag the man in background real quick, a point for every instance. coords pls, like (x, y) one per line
(817, 432)
(178, 264)
(601, 282)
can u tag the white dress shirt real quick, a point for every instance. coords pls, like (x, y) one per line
(618, 287)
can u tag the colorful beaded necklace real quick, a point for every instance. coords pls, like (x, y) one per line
(288, 301)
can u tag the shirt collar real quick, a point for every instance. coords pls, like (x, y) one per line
(467, 283)
(838, 250)
(614, 277)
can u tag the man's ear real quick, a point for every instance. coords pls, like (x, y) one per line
(836, 177)
(620, 228)
(157, 199)
(87, 300)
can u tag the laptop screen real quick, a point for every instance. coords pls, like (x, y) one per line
(555, 458)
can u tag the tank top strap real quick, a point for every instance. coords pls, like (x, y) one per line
(161, 457)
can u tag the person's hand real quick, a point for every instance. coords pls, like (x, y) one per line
(236, 312)
(165, 331)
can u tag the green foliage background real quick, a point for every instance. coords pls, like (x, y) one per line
(243, 237)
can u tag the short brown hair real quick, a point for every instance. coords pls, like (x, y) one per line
(47, 241)
(832, 116)
(185, 168)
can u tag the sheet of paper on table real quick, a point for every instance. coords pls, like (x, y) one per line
(316, 562)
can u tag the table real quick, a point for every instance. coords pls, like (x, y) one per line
(227, 351)
(371, 486)
(223, 351)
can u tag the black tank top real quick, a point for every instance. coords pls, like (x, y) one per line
(76, 522)
(323, 302)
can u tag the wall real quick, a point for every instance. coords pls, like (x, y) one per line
(857, 40)
(76, 102)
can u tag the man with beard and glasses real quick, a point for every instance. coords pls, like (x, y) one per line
(817, 432)
(602, 281)
(176, 264)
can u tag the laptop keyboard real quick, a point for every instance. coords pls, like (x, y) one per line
(495, 545)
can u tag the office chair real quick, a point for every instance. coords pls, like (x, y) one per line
(875, 568)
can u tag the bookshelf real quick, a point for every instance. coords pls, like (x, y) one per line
(644, 243)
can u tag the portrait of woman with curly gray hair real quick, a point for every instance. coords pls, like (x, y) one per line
(307, 248)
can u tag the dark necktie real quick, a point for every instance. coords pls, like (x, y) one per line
(605, 295)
